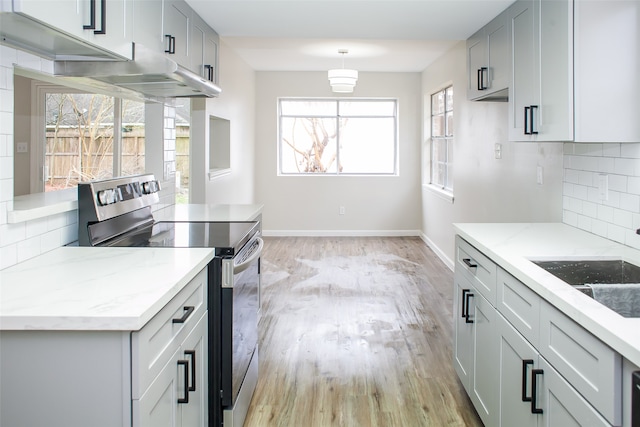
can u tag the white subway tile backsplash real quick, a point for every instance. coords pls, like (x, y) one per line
(28, 248)
(12, 233)
(616, 217)
(36, 227)
(8, 256)
(631, 151)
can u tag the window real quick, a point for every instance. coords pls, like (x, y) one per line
(442, 139)
(88, 136)
(338, 137)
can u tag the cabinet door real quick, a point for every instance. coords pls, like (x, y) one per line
(158, 406)
(69, 16)
(115, 28)
(485, 380)
(198, 34)
(148, 25)
(561, 404)
(211, 55)
(194, 349)
(177, 22)
(523, 91)
(541, 92)
(498, 44)
(517, 359)
(476, 64)
(462, 341)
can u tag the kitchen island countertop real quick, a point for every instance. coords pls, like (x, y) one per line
(93, 288)
(512, 246)
(213, 212)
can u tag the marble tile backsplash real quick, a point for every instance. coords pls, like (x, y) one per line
(615, 213)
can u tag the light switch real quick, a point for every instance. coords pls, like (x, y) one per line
(540, 175)
(498, 150)
(22, 147)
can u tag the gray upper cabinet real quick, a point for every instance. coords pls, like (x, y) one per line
(177, 31)
(488, 59)
(541, 90)
(204, 50)
(69, 28)
(607, 71)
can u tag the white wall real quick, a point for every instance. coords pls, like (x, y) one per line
(309, 205)
(236, 104)
(486, 189)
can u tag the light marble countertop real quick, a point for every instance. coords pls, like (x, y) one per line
(92, 288)
(205, 212)
(40, 205)
(512, 246)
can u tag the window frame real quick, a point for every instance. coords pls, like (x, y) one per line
(38, 131)
(446, 188)
(338, 100)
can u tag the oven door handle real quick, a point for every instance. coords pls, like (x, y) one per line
(255, 255)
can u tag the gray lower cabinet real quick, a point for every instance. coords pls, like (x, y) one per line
(532, 392)
(153, 377)
(523, 362)
(476, 349)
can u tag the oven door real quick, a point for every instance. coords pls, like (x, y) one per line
(239, 331)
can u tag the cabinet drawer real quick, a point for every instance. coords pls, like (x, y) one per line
(154, 344)
(591, 367)
(479, 269)
(519, 305)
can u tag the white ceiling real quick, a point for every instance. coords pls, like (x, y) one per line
(381, 35)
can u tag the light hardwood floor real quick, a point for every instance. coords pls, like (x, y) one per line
(356, 331)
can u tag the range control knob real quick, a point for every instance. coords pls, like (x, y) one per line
(107, 197)
(150, 187)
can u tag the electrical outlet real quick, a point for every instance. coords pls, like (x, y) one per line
(22, 147)
(498, 150)
(603, 186)
(341, 210)
(540, 175)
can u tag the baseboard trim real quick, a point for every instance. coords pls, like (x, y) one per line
(341, 233)
(443, 257)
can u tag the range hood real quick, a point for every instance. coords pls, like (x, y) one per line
(150, 74)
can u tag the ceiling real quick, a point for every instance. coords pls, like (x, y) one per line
(380, 35)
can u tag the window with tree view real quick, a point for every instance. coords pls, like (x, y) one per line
(442, 139)
(338, 136)
(91, 136)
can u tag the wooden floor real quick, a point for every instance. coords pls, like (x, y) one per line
(356, 332)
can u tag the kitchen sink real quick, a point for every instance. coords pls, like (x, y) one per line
(613, 283)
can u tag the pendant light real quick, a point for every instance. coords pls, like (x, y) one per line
(343, 80)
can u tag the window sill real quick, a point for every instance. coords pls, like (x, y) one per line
(217, 173)
(443, 194)
(42, 205)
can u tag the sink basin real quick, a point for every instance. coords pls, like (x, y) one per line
(613, 283)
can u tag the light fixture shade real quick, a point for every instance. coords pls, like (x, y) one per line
(343, 80)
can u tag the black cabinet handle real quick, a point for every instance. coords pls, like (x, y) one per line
(466, 314)
(92, 16)
(192, 353)
(468, 263)
(463, 303)
(209, 69)
(481, 72)
(525, 363)
(171, 48)
(534, 391)
(529, 121)
(185, 364)
(103, 18)
(533, 107)
(187, 312)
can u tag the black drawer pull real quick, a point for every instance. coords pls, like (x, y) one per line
(103, 18)
(192, 353)
(187, 312)
(463, 310)
(468, 263)
(534, 390)
(185, 364)
(525, 363)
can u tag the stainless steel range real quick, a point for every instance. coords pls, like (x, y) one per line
(117, 212)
